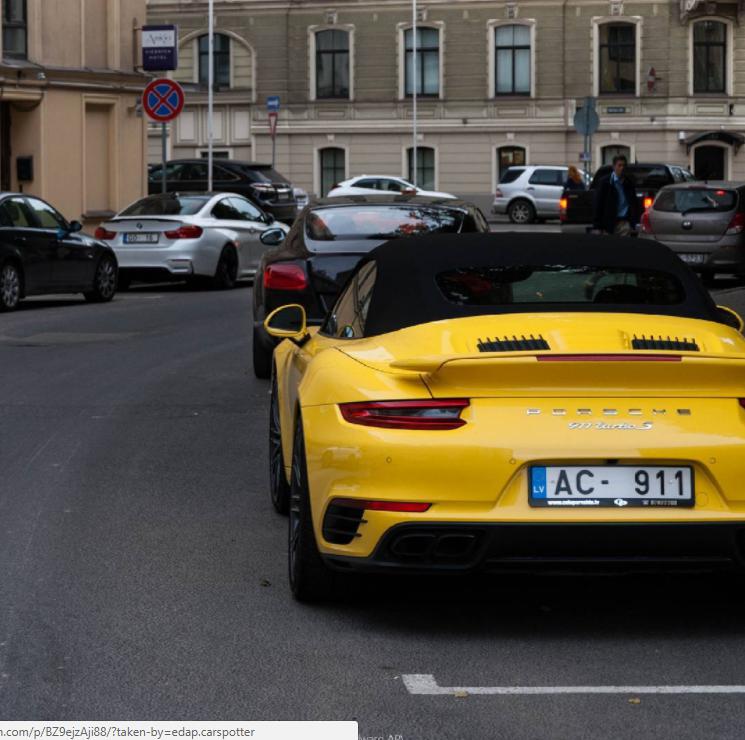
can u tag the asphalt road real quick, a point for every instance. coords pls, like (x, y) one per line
(143, 576)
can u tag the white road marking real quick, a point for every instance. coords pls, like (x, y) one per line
(426, 684)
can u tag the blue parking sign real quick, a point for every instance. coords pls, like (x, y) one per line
(272, 103)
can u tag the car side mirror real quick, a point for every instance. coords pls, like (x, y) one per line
(729, 317)
(408, 191)
(75, 226)
(287, 322)
(272, 237)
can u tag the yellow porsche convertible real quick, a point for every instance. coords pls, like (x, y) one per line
(510, 401)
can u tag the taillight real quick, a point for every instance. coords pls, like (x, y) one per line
(736, 225)
(185, 232)
(498, 193)
(285, 277)
(645, 223)
(407, 506)
(648, 200)
(563, 209)
(101, 233)
(427, 414)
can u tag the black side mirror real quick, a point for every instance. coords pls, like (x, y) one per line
(75, 226)
(272, 237)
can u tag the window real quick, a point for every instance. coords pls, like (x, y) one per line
(512, 60)
(549, 284)
(15, 212)
(348, 318)
(612, 150)
(169, 205)
(617, 67)
(427, 61)
(696, 199)
(47, 217)
(425, 167)
(247, 211)
(333, 167)
(221, 57)
(709, 57)
(380, 222)
(14, 29)
(547, 177)
(509, 156)
(332, 64)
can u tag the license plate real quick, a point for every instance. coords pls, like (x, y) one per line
(693, 259)
(577, 486)
(141, 238)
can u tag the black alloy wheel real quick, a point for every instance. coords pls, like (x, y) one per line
(280, 488)
(262, 357)
(10, 287)
(310, 579)
(104, 282)
(226, 274)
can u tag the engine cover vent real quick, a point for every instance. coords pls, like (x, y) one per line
(513, 344)
(674, 343)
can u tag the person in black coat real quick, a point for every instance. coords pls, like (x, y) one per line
(617, 208)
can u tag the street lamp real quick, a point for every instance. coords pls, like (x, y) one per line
(210, 86)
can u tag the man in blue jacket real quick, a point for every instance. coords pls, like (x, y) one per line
(616, 205)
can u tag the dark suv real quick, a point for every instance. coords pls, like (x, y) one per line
(259, 182)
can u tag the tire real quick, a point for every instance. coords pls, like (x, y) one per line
(262, 357)
(10, 286)
(310, 579)
(279, 487)
(521, 211)
(226, 273)
(104, 282)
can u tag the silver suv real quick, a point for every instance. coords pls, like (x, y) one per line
(529, 192)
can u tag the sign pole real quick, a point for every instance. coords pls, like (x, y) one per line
(210, 91)
(413, 91)
(274, 150)
(164, 156)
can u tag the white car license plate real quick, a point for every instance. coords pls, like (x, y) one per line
(141, 238)
(610, 485)
(693, 259)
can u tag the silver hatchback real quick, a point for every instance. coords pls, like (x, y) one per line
(703, 222)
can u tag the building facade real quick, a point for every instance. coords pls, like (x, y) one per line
(497, 83)
(70, 126)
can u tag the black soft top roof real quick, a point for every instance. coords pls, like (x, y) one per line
(406, 294)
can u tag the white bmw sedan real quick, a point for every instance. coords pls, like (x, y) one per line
(194, 236)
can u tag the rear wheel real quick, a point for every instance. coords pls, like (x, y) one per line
(226, 274)
(521, 212)
(104, 282)
(262, 357)
(310, 579)
(280, 488)
(10, 287)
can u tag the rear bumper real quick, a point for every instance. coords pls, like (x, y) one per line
(717, 257)
(547, 547)
(284, 212)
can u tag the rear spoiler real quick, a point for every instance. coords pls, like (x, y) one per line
(619, 373)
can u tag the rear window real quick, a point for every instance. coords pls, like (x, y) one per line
(380, 222)
(259, 173)
(696, 199)
(559, 284)
(181, 205)
(511, 174)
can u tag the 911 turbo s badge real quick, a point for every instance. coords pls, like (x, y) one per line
(604, 425)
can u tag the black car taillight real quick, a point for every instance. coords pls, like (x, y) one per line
(285, 277)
